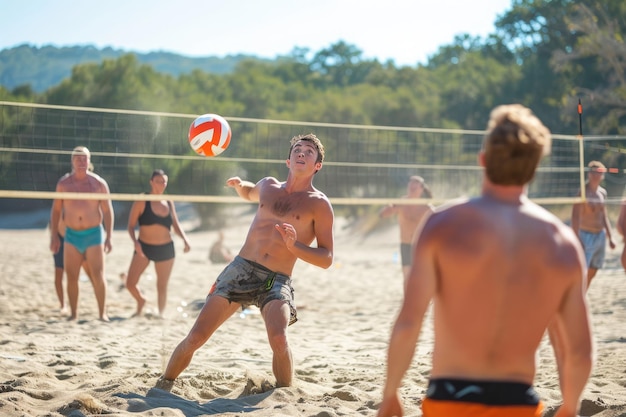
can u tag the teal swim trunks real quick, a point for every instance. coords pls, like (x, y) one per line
(82, 239)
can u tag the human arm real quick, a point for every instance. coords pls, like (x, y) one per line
(572, 329)
(55, 217)
(245, 189)
(575, 223)
(420, 289)
(607, 228)
(619, 225)
(133, 217)
(388, 211)
(177, 229)
(107, 214)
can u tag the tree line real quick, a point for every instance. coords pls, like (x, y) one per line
(544, 54)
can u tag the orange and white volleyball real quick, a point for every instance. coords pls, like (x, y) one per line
(209, 135)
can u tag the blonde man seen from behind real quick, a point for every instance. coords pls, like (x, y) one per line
(500, 271)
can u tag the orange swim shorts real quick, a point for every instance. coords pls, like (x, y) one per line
(468, 398)
(438, 408)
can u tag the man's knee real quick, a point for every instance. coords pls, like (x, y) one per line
(72, 275)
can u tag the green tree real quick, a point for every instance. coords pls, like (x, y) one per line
(472, 79)
(341, 65)
(533, 31)
(597, 64)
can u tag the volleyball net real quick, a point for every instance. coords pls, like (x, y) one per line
(364, 165)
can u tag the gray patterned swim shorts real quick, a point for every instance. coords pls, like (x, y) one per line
(249, 283)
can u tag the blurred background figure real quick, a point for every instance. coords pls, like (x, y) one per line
(219, 254)
(409, 217)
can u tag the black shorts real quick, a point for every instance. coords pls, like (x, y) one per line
(158, 253)
(482, 392)
(406, 254)
(58, 257)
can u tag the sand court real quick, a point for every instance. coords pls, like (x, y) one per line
(52, 367)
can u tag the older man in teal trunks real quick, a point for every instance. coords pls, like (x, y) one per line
(85, 238)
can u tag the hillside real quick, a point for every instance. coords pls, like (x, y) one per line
(44, 67)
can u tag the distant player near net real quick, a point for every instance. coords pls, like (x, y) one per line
(590, 220)
(500, 270)
(290, 216)
(409, 217)
(85, 237)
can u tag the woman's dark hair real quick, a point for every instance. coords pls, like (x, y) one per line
(157, 172)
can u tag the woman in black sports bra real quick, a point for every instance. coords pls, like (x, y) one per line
(155, 219)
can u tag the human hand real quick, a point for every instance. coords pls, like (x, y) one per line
(288, 233)
(107, 245)
(233, 182)
(390, 407)
(138, 249)
(55, 243)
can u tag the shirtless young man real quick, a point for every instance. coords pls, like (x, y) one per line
(500, 270)
(290, 216)
(85, 238)
(590, 220)
(409, 217)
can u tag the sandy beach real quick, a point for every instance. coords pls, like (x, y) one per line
(52, 367)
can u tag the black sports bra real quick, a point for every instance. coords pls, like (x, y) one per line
(148, 217)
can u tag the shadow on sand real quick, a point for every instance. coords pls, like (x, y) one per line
(157, 398)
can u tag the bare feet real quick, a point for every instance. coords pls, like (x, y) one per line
(105, 318)
(164, 384)
(257, 385)
(140, 305)
(123, 282)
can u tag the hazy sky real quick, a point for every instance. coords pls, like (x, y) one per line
(407, 31)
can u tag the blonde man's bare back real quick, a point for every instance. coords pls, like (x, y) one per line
(496, 286)
(501, 271)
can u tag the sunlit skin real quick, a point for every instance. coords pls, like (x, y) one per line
(592, 216)
(409, 216)
(154, 234)
(81, 215)
(290, 216)
(621, 229)
(499, 270)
